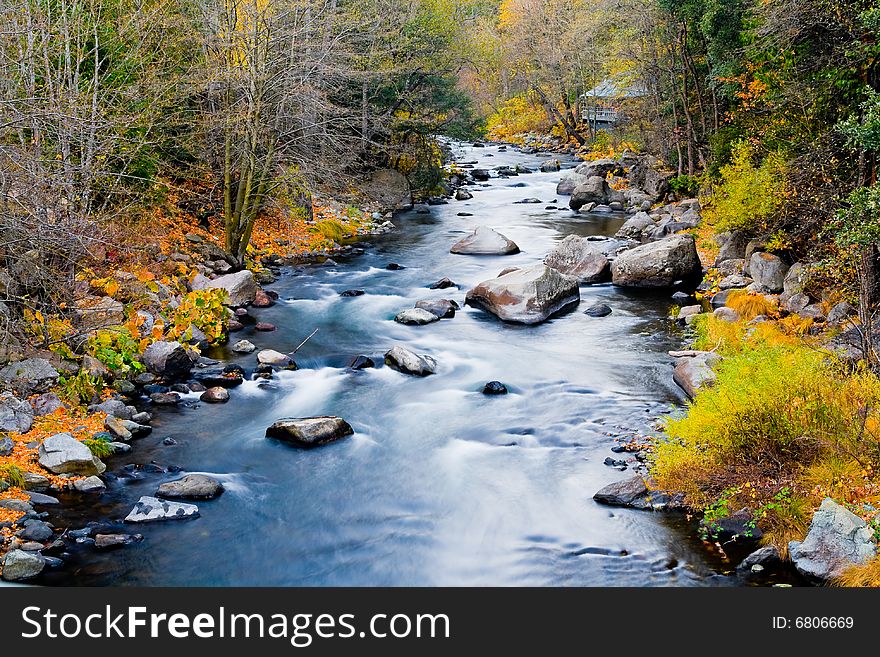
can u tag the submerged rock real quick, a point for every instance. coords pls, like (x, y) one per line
(442, 284)
(108, 541)
(525, 296)
(310, 431)
(362, 363)
(485, 241)
(494, 388)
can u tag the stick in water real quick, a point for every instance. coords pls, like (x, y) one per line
(303, 342)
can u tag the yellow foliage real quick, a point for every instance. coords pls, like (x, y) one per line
(865, 575)
(517, 116)
(749, 305)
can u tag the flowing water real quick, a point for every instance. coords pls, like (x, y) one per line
(440, 485)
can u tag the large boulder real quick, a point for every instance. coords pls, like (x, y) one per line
(169, 360)
(191, 487)
(768, 271)
(409, 362)
(241, 287)
(19, 565)
(594, 189)
(29, 375)
(569, 182)
(64, 454)
(485, 241)
(525, 296)
(599, 168)
(634, 493)
(647, 175)
(694, 371)
(15, 414)
(310, 431)
(579, 257)
(658, 264)
(152, 509)
(836, 540)
(634, 227)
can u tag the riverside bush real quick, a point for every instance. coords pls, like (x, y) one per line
(782, 414)
(748, 195)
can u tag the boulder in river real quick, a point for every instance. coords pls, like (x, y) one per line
(310, 431)
(594, 189)
(461, 194)
(408, 362)
(525, 296)
(598, 310)
(658, 264)
(442, 284)
(272, 357)
(581, 258)
(494, 388)
(191, 487)
(836, 540)
(169, 360)
(442, 308)
(15, 414)
(64, 454)
(415, 317)
(635, 494)
(352, 293)
(362, 363)
(485, 241)
(152, 509)
(244, 347)
(215, 395)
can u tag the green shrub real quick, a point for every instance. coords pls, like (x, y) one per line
(12, 475)
(99, 446)
(332, 229)
(685, 186)
(81, 388)
(117, 349)
(748, 194)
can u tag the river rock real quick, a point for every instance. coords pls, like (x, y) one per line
(244, 347)
(241, 287)
(40, 498)
(36, 530)
(408, 362)
(581, 258)
(362, 363)
(262, 300)
(165, 398)
(352, 293)
(272, 357)
(766, 557)
(415, 317)
(635, 494)
(738, 527)
(191, 487)
(634, 227)
(91, 484)
(569, 182)
(494, 388)
(694, 372)
(19, 565)
(64, 454)
(29, 376)
(836, 540)
(264, 326)
(462, 194)
(549, 166)
(525, 296)
(768, 271)
(152, 509)
(15, 414)
(116, 408)
(598, 310)
(594, 189)
(310, 431)
(108, 541)
(442, 308)
(215, 395)
(46, 403)
(211, 377)
(485, 241)
(6, 446)
(169, 360)
(442, 284)
(658, 264)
